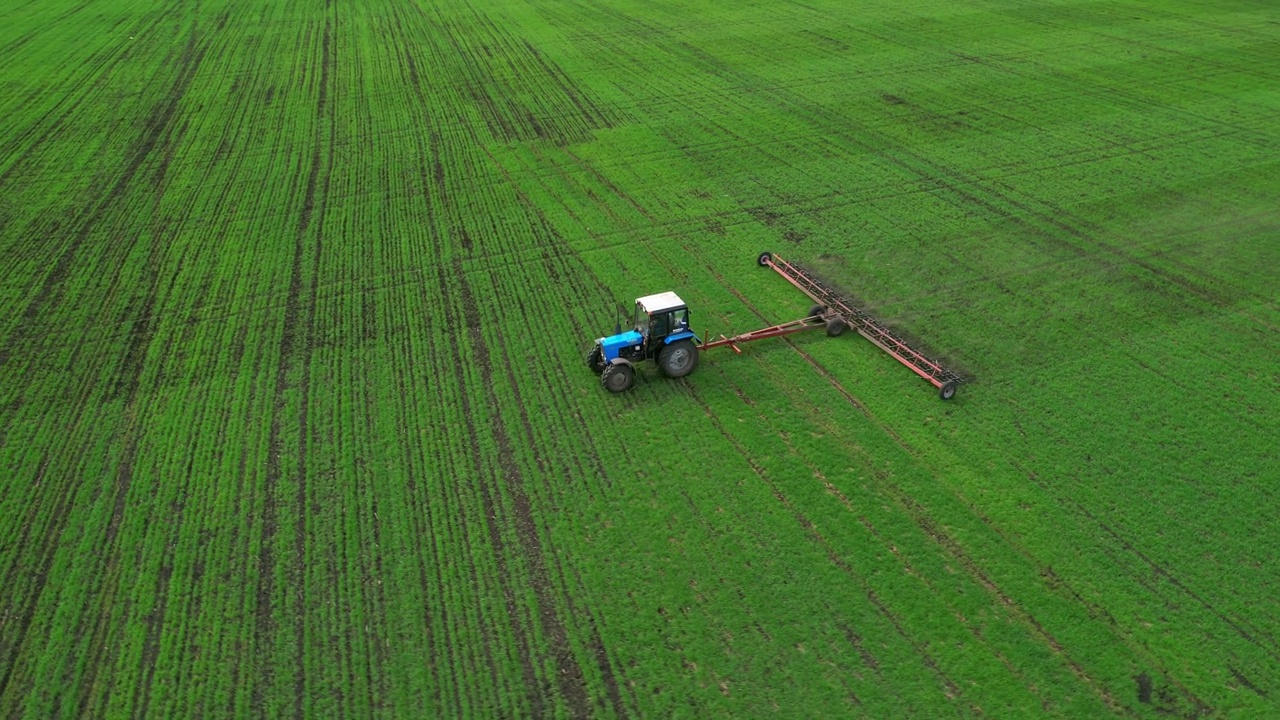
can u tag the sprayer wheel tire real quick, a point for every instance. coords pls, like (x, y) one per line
(948, 390)
(817, 311)
(765, 258)
(835, 326)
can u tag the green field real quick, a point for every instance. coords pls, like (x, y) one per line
(293, 414)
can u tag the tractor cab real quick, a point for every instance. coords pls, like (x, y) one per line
(659, 317)
(661, 332)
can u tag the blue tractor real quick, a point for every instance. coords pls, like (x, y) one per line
(661, 333)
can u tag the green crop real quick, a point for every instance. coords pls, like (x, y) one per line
(294, 418)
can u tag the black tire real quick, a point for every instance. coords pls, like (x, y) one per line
(617, 378)
(817, 311)
(948, 390)
(678, 359)
(765, 258)
(595, 359)
(835, 326)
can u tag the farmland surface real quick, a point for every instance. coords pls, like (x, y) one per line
(294, 420)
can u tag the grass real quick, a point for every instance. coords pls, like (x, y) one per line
(293, 418)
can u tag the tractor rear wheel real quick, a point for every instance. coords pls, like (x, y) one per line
(764, 259)
(947, 391)
(817, 311)
(617, 378)
(835, 326)
(678, 359)
(595, 360)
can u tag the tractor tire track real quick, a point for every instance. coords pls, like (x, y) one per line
(576, 274)
(294, 350)
(1238, 625)
(13, 639)
(324, 143)
(921, 518)
(532, 441)
(419, 507)
(569, 675)
(572, 272)
(490, 500)
(949, 686)
(161, 133)
(432, 186)
(917, 514)
(156, 128)
(1085, 233)
(868, 139)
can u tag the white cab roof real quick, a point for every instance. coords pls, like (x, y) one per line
(662, 301)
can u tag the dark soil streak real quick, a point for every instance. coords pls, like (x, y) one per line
(613, 188)
(601, 655)
(45, 128)
(569, 675)
(154, 621)
(421, 508)
(856, 641)
(951, 688)
(1239, 676)
(563, 266)
(300, 355)
(155, 129)
(921, 518)
(1240, 627)
(586, 108)
(452, 319)
(159, 132)
(606, 672)
(110, 579)
(1144, 688)
(490, 502)
(265, 626)
(11, 642)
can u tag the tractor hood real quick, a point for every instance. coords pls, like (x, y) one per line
(612, 344)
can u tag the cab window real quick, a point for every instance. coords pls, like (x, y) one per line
(658, 326)
(680, 320)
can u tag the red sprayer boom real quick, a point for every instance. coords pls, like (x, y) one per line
(835, 314)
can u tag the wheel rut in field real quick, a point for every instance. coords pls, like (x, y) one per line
(490, 501)
(499, 70)
(1045, 222)
(12, 638)
(48, 126)
(569, 675)
(566, 268)
(907, 566)
(951, 689)
(157, 131)
(530, 439)
(1240, 626)
(921, 518)
(296, 340)
(161, 132)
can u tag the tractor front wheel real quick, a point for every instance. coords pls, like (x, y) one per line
(835, 326)
(678, 359)
(595, 360)
(617, 378)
